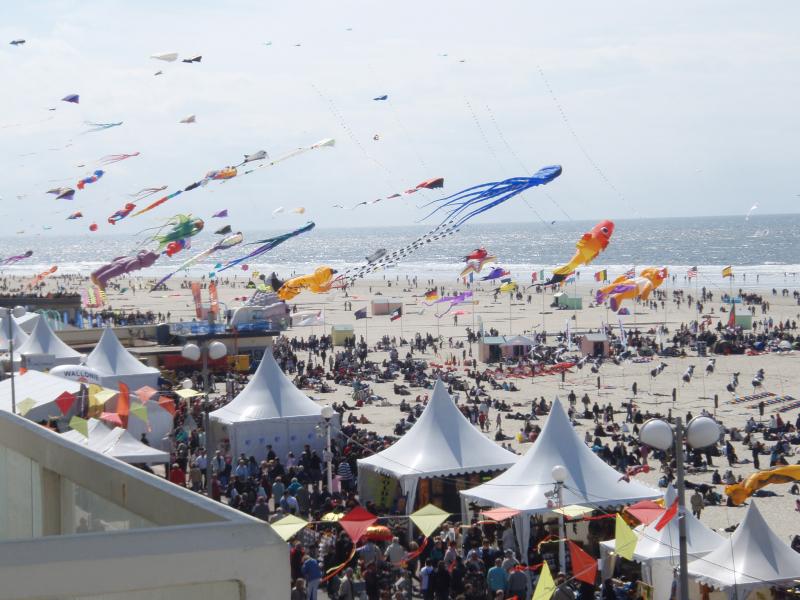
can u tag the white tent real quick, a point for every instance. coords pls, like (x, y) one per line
(157, 428)
(43, 389)
(752, 558)
(118, 443)
(17, 334)
(113, 363)
(28, 321)
(269, 410)
(658, 550)
(441, 443)
(528, 485)
(46, 349)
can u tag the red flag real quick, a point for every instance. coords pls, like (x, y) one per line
(584, 567)
(732, 317)
(65, 402)
(213, 299)
(356, 522)
(198, 309)
(668, 515)
(124, 403)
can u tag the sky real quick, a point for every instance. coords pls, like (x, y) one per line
(653, 109)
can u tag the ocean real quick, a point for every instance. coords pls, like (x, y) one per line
(765, 247)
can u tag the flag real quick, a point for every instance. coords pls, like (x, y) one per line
(198, 311)
(65, 401)
(546, 587)
(630, 273)
(213, 299)
(732, 317)
(80, 425)
(691, 272)
(625, 539)
(584, 567)
(668, 515)
(541, 274)
(534, 277)
(361, 313)
(431, 294)
(727, 271)
(601, 275)
(396, 313)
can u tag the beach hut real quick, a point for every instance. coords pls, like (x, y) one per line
(565, 301)
(44, 350)
(490, 348)
(117, 443)
(270, 410)
(113, 363)
(341, 333)
(658, 551)
(421, 466)
(754, 559)
(528, 485)
(385, 306)
(595, 344)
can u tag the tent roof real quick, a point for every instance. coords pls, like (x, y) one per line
(441, 442)
(109, 357)
(116, 442)
(42, 388)
(653, 544)
(590, 481)
(753, 557)
(268, 395)
(17, 333)
(43, 341)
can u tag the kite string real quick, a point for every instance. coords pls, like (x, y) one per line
(577, 139)
(521, 164)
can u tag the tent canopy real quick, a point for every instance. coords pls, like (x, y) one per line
(114, 363)
(17, 334)
(43, 341)
(43, 389)
(589, 481)
(754, 557)
(653, 544)
(117, 443)
(268, 395)
(441, 442)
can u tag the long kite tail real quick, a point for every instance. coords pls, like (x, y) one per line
(268, 244)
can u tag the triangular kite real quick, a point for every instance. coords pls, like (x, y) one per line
(80, 425)
(145, 392)
(625, 539)
(185, 394)
(428, 518)
(139, 411)
(168, 404)
(288, 526)
(24, 407)
(573, 510)
(356, 522)
(111, 418)
(584, 567)
(103, 396)
(65, 402)
(645, 511)
(668, 515)
(501, 513)
(545, 586)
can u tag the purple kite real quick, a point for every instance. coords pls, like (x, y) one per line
(220, 214)
(496, 273)
(74, 98)
(14, 259)
(123, 265)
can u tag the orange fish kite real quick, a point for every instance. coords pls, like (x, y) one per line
(624, 287)
(588, 247)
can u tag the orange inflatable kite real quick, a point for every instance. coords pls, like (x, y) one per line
(623, 288)
(739, 492)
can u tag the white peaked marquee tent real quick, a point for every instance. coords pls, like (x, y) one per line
(658, 550)
(269, 410)
(18, 335)
(113, 363)
(528, 485)
(117, 442)
(42, 389)
(46, 348)
(752, 558)
(441, 443)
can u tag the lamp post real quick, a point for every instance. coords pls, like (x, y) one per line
(215, 350)
(700, 432)
(327, 414)
(560, 474)
(17, 311)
